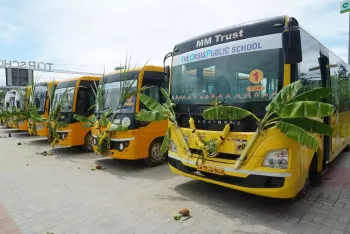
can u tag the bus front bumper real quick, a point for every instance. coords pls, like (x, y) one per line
(121, 148)
(41, 129)
(264, 183)
(23, 125)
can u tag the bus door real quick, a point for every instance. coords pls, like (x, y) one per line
(326, 82)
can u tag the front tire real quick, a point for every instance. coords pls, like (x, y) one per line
(88, 143)
(155, 156)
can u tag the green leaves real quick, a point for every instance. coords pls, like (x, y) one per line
(312, 95)
(83, 119)
(152, 104)
(284, 96)
(151, 116)
(118, 128)
(310, 125)
(226, 113)
(166, 141)
(298, 134)
(306, 109)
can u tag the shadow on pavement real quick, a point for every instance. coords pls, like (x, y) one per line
(135, 169)
(234, 204)
(278, 214)
(74, 152)
(40, 141)
(23, 135)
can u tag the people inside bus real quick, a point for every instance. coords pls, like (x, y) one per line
(221, 86)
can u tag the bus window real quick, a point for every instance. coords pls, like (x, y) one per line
(83, 101)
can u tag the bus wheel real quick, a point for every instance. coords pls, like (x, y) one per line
(155, 155)
(311, 176)
(347, 148)
(88, 143)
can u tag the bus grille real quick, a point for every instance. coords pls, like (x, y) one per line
(220, 155)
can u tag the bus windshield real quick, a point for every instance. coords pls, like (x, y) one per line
(40, 97)
(20, 99)
(112, 94)
(67, 103)
(236, 78)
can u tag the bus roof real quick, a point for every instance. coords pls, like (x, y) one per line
(236, 32)
(81, 78)
(146, 67)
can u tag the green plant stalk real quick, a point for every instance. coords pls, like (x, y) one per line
(252, 141)
(181, 139)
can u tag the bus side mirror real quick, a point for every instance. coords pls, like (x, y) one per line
(292, 47)
(166, 73)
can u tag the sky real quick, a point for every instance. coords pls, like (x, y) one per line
(93, 36)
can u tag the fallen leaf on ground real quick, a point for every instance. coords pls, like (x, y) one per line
(27, 164)
(10, 135)
(19, 143)
(45, 153)
(98, 167)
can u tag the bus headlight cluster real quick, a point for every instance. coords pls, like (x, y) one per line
(39, 126)
(172, 147)
(64, 135)
(277, 159)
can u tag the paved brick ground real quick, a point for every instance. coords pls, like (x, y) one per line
(61, 194)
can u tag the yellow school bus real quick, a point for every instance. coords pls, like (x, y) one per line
(235, 54)
(10, 105)
(42, 103)
(142, 140)
(22, 101)
(80, 99)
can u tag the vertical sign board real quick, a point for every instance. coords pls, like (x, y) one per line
(344, 6)
(18, 77)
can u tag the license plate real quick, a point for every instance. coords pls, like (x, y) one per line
(210, 169)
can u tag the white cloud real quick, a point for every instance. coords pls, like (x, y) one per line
(99, 33)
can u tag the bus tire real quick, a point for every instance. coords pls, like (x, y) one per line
(347, 148)
(88, 142)
(155, 156)
(311, 175)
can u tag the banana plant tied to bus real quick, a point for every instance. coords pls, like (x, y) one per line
(102, 119)
(288, 112)
(55, 121)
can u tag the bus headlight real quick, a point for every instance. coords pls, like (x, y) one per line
(172, 147)
(277, 159)
(39, 126)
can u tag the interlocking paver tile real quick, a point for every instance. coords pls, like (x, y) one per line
(60, 194)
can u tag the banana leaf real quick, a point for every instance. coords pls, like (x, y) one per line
(118, 128)
(226, 113)
(152, 104)
(82, 119)
(166, 141)
(284, 96)
(310, 125)
(151, 116)
(312, 95)
(306, 109)
(298, 134)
